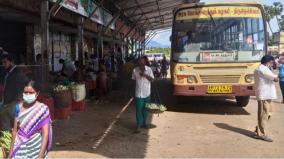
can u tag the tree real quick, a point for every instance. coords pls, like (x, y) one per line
(278, 9)
(269, 14)
(275, 11)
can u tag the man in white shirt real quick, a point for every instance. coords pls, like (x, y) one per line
(265, 93)
(143, 75)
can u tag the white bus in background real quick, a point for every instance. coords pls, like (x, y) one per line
(156, 56)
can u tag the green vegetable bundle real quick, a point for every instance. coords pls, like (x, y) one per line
(5, 140)
(155, 108)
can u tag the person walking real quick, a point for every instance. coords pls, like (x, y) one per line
(32, 132)
(164, 67)
(14, 82)
(281, 77)
(265, 93)
(102, 78)
(143, 75)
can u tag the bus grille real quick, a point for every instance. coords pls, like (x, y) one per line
(220, 78)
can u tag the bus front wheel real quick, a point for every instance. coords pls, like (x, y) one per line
(242, 101)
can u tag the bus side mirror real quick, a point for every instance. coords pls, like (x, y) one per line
(170, 38)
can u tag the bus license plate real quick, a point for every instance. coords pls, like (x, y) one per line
(219, 89)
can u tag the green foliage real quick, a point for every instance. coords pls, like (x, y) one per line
(5, 140)
(269, 12)
(278, 8)
(275, 11)
(166, 51)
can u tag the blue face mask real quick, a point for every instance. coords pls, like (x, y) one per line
(29, 98)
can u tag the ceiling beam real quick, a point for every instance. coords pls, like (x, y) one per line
(150, 4)
(164, 26)
(154, 17)
(154, 11)
(153, 21)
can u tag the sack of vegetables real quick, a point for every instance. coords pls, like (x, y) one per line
(155, 108)
(62, 96)
(5, 143)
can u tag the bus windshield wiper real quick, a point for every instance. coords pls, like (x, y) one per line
(212, 19)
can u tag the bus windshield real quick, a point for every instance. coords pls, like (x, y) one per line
(218, 34)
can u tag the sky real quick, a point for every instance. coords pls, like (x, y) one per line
(163, 37)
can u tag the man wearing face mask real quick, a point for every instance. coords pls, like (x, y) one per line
(14, 82)
(265, 93)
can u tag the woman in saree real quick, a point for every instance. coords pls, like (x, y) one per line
(32, 132)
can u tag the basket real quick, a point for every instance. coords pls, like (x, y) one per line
(62, 99)
(78, 92)
(78, 106)
(90, 84)
(62, 113)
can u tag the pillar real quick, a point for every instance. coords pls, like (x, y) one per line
(80, 40)
(44, 42)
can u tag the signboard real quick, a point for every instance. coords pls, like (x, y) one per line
(219, 12)
(97, 15)
(102, 17)
(107, 18)
(76, 6)
(217, 56)
(85, 8)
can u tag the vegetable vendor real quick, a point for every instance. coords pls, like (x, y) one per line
(143, 75)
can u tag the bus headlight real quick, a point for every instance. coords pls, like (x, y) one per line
(249, 78)
(191, 79)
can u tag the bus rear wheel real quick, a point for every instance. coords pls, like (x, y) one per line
(242, 101)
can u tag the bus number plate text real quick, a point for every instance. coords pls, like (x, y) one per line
(219, 89)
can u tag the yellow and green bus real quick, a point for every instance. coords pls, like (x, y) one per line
(215, 49)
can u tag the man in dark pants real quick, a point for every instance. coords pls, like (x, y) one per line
(14, 82)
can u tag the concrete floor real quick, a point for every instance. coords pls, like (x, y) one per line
(200, 127)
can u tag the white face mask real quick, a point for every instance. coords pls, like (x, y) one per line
(29, 98)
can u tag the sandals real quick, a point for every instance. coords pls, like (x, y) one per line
(261, 137)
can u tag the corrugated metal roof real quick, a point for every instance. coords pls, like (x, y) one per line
(150, 14)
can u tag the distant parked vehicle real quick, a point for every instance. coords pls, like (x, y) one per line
(155, 56)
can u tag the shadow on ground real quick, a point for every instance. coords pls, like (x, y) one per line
(202, 105)
(105, 128)
(235, 129)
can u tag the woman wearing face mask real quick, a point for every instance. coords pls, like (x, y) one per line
(32, 132)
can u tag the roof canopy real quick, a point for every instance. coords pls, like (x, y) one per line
(150, 14)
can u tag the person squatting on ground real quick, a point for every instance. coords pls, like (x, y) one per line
(68, 68)
(143, 76)
(32, 132)
(265, 93)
